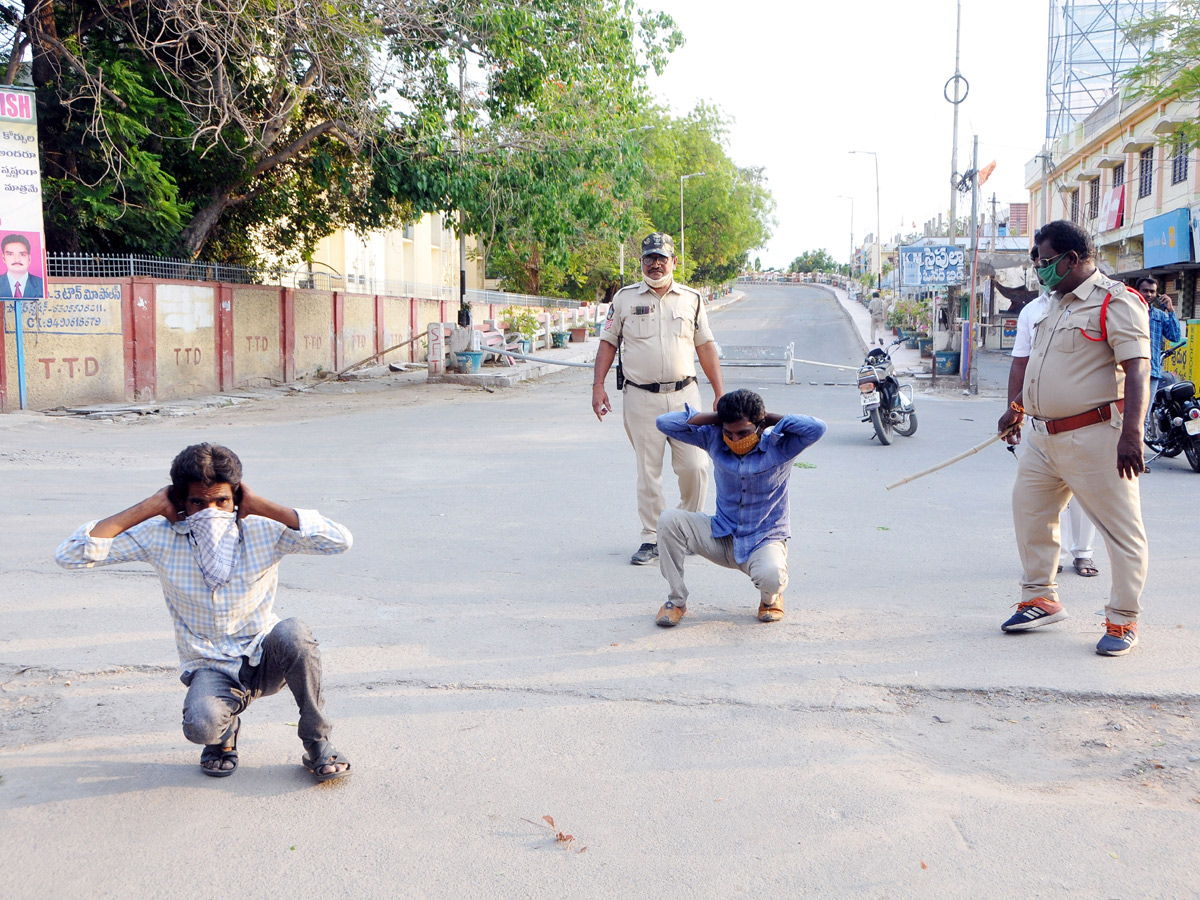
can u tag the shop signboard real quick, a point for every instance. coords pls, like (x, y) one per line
(939, 264)
(1167, 239)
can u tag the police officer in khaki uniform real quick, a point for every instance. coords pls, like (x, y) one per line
(660, 327)
(1085, 390)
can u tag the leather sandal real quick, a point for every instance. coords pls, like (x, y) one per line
(321, 755)
(220, 754)
(1085, 567)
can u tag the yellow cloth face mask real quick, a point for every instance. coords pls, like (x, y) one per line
(743, 446)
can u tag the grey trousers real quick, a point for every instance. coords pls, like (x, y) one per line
(290, 656)
(680, 531)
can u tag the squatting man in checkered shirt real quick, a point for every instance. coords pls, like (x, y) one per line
(216, 546)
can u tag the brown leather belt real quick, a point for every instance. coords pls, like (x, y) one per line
(1091, 417)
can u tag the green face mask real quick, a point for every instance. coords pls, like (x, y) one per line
(1048, 274)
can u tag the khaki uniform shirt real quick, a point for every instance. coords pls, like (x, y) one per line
(658, 335)
(1069, 374)
(877, 307)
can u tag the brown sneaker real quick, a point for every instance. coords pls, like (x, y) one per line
(670, 614)
(772, 613)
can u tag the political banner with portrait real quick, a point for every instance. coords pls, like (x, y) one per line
(22, 235)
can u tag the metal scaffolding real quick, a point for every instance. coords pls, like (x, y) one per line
(1087, 54)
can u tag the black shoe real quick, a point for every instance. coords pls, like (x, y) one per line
(646, 554)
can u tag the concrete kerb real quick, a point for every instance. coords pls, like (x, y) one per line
(906, 361)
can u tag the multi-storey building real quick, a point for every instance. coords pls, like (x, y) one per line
(1128, 175)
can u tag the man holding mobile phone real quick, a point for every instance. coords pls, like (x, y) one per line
(216, 546)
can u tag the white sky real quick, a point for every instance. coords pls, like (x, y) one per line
(806, 82)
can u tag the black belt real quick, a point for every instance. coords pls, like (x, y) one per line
(669, 387)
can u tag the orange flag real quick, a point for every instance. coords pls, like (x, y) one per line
(986, 172)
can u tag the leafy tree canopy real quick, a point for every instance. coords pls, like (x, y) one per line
(814, 261)
(235, 128)
(1172, 70)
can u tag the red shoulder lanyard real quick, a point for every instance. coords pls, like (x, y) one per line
(1104, 316)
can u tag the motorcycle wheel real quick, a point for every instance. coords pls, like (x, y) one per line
(909, 426)
(1191, 450)
(883, 429)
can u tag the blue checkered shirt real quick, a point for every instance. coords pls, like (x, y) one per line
(752, 490)
(1162, 325)
(213, 629)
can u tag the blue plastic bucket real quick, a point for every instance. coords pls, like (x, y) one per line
(469, 361)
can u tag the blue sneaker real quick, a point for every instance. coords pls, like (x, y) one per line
(1118, 638)
(1034, 613)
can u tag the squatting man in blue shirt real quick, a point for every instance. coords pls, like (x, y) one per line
(216, 546)
(752, 452)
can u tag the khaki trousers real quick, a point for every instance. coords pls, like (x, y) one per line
(639, 409)
(1082, 462)
(680, 531)
(876, 327)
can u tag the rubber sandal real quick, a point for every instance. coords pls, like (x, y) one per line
(323, 755)
(1085, 568)
(220, 753)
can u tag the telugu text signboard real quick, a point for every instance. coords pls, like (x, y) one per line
(940, 264)
(71, 309)
(21, 236)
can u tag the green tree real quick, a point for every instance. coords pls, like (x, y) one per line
(1171, 71)
(237, 126)
(813, 261)
(727, 212)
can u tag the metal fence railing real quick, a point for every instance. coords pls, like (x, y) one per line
(68, 265)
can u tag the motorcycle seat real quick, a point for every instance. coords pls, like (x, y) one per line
(1179, 391)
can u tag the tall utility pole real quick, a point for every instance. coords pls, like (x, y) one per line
(878, 222)
(969, 334)
(464, 309)
(850, 261)
(959, 82)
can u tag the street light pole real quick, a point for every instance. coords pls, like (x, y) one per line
(621, 162)
(682, 245)
(850, 262)
(878, 225)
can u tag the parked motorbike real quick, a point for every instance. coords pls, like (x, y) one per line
(886, 404)
(1174, 419)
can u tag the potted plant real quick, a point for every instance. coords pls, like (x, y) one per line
(559, 339)
(524, 323)
(578, 333)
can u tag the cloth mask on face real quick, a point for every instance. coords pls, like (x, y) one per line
(1048, 275)
(215, 538)
(743, 446)
(657, 282)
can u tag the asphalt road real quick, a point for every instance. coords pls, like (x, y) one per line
(491, 658)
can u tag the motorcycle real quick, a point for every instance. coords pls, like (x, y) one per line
(1174, 419)
(886, 404)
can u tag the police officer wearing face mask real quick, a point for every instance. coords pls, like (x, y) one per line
(1085, 392)
(660, 327)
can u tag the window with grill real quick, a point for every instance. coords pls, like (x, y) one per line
(1118, 175)
(1075, 206)
(1179, 163)
(1146, 172)
(1093, 206)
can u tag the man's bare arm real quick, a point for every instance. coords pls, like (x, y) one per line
(1131, 461)
(254, 505)
(711, 364)
(605, 354)
(1016, 387)
(158, 504)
